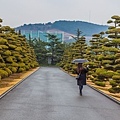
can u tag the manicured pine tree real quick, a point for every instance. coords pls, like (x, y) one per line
(96, 50)
(66, 56)
(114, 29)
(109, 57)
(76, 50)
(114, 36)
(94, 56)
(4, 52)
(16, 54)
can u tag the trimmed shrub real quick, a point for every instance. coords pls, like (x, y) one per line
(94, 75)
(66, 69)
(18, 49)
(109, 74)
(1, 59)
(113, 83)
(95, 79)
(21, 69)
(100, 57)
(117, 89)
(7, 52)
(111, 90)
(117, 61)
(101, 78)
(25, 59)
(16, 54)
(28, 64)
(114, 90)
(4, 46)
(8, 71)
(14, 64)
(13, 69)
(109, 67)
(20, 59)
(101, 73)
(36, 64)
(116, 77)
(3, 73)
(109, 57)
(107, 61)
(9, 59)
(90, 72)
(2, 65)
(21, 65)
(32, 65)
(100, 83)
(2, 35)
(117, 67)
(12, 46)
(27, 67)
(117, 55)
(118, 71)
(92, 65)
(3, 41)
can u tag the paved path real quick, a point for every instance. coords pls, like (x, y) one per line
(51, 94)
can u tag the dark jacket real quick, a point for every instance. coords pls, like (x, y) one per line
(81, 79)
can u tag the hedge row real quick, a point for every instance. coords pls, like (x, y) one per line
(16, 55)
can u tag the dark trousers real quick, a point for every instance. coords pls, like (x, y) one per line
(80, 87)
(79, 83)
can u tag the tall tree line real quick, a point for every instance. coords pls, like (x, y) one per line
(16, 55)
(103, 54)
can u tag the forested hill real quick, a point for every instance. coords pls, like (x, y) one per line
(88, 29)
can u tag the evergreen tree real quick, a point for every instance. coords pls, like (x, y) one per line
(15, 53)
(74, 51)
(55, 48)
(40, 50)
(114, 30)
(105, 56)
(114, 49)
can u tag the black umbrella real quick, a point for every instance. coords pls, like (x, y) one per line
(80, 61)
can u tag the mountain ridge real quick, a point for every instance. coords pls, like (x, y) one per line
(67, 26)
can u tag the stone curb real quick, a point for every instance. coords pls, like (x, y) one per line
(108, 96)
(6, 92)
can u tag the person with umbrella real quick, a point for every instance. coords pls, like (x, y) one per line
(81, 71)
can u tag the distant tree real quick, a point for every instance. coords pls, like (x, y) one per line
(80, 45)
(19, 32)
(40, 50)
(55, 48)
(114, 30)
(30, 41)
(78, 35)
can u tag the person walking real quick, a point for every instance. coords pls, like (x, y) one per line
(81, 79)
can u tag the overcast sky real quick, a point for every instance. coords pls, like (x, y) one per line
(18, 12)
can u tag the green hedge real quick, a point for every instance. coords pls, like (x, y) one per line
(100, 83)
(3, 73)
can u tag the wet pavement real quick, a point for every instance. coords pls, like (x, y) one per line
(51, 94)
